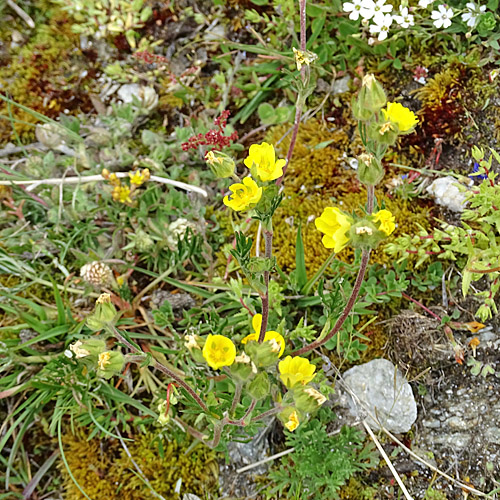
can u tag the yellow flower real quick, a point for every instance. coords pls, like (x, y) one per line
(243, 195)
(401, 116)
(139, 177)
(219, 351)
(104, 360)
(293, 421)
(271, 336)
(386, 220)
(122, 194)
(263, 157)
(294, 371)
(335, 225)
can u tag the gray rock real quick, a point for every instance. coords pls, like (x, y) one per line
(384, 392)
(243, 485)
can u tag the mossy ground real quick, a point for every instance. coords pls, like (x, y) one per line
(104, 469)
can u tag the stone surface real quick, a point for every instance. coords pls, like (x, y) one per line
(446, 193)
(242, 485)
(383, 392)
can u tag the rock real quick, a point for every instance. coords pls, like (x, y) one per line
(178, 301)
(446, 193)
(384, 392)
(243, 485)
(147, 96)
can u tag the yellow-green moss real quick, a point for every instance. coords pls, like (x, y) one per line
(104, 470)
(317, 178)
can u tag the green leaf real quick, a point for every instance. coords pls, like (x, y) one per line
(300, 261)
(346, 28)
(397, 63)
(260, 2)
(266, 113)
(493, 5)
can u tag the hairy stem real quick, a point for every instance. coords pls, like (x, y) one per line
(162, 368)
(241, 421)
(236, 399)
(268, 413)
(365, 257)
(268, 237)
(300, 101)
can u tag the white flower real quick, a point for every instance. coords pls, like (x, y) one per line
(370, 9)
(381, 26)
(405, 20)
(473, 11)
(442, 17)
(354, 8)
(424, 3)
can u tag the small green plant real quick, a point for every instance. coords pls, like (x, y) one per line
(474, 243)
(108, 17)
(321, 463)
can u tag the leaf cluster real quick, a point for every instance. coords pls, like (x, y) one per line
(321, 463)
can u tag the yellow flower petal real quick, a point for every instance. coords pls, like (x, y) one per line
(243, 195)
(263, 158)
(386, 219)
(401, 116)
(293, 421)
(295, 371)
(335, 224)
(219, 351)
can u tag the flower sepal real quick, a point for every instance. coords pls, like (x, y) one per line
(263, 355)
(365, 235)
(359, 112)
(104, 313)
(372, 95)
(308, 399)
(259, 387)
(291, 418)
(370, 170)
(243, 369)
(110, 363)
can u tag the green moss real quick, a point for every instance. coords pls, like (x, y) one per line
(44, 74)
(104, 470)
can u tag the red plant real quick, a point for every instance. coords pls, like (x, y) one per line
(214, 137)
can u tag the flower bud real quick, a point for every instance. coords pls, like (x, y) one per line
(104, 313)
(94, 346)
(370, 170)
(110, 363)
(220, 164)
(364, 234)
(263, 354)
(308, 399)
(372, 95)
(359, 112)
(260, 386)
(243, 368)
